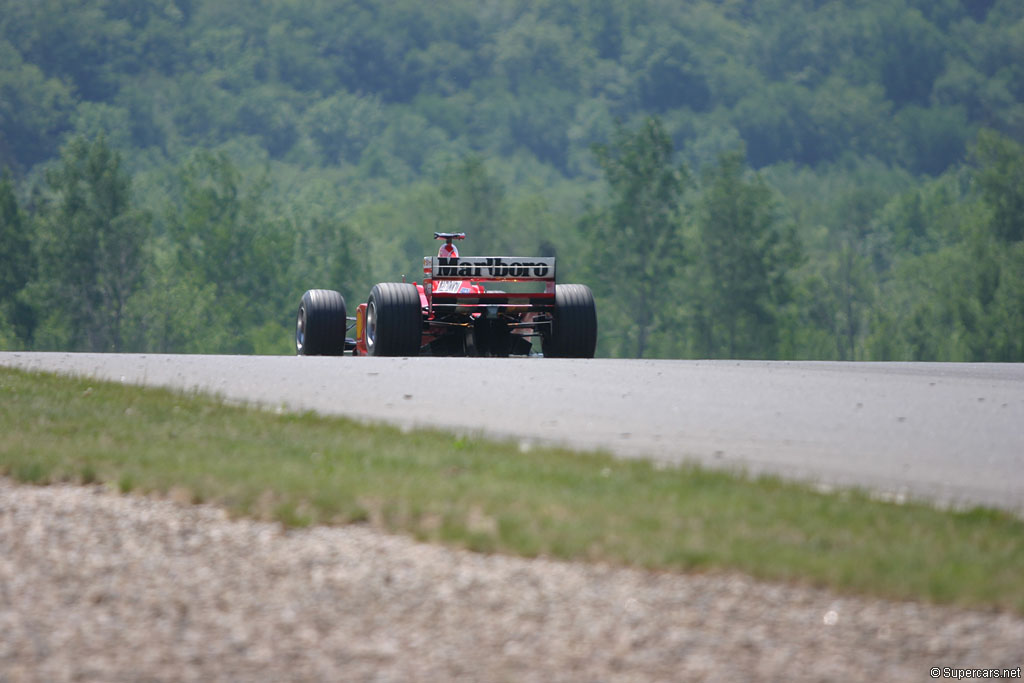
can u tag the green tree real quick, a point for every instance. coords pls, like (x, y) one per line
(847, 297)
(637, 237)
(17, 266)
(743, 264)
(473, 201)
(932, 139)
(342, 125)
(856, 253)
(964, 301)
(1000, 179)
(34, 110)
(173, 313)
(90, 249)
(225, 235)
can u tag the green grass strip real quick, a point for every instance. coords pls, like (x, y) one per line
(493, 496)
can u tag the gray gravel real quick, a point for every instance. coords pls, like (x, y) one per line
(100, 587)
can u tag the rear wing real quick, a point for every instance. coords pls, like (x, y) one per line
(508, 268)
(451, 271)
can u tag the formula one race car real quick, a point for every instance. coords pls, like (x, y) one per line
(456, 312)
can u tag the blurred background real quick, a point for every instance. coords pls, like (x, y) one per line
(769, 179)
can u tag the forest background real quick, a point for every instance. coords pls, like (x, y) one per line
(734, 178)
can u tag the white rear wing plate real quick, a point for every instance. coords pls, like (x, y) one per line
(490, 268)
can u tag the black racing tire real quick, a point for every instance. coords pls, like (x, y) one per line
(574, 328)
(394, 320)
(321, 324)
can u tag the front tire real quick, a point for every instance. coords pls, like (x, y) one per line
(574, 328)
(394, 320)
(321, 323)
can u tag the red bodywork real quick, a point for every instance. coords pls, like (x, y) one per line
(453, 303)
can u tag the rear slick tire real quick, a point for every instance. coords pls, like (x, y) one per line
(574, 328)
(320, 324)
(394, 320)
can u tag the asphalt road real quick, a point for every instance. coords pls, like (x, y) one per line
(947, 432)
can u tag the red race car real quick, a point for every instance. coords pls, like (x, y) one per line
(456, 312)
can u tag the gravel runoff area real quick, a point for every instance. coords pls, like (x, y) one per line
(96, 586)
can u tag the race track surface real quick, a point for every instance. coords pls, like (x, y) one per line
(953, 433)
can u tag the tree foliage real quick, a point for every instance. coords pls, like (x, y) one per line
(181, 170)
(17, 266)
(744, 263)
(637, 240)
(90, 247)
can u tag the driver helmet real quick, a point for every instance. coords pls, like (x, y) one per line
(448, 250)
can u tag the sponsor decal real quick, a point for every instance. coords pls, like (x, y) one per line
(448, 286)
(495, 267)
